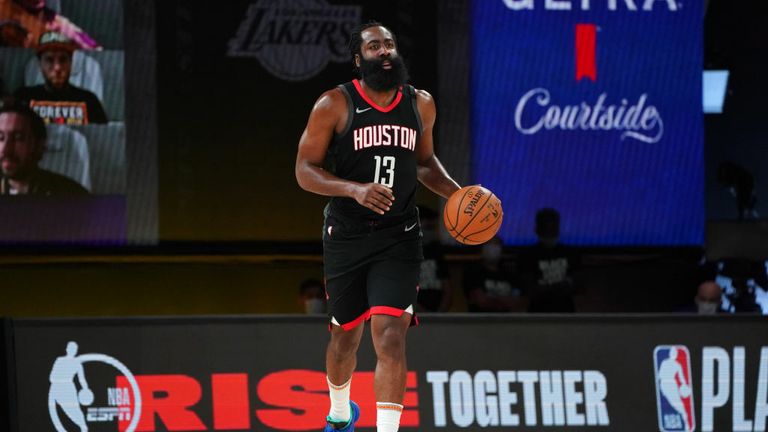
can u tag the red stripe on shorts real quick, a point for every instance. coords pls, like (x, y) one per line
(387, 310)
(357, 321)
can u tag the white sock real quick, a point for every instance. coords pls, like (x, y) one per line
(340, 409)
(388, 416)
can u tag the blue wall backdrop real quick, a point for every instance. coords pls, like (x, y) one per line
(593, 109)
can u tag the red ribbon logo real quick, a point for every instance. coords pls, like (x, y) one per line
(586, 44)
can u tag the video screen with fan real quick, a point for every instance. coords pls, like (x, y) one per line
(62, 63)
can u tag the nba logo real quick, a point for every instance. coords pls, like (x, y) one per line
(674, 392)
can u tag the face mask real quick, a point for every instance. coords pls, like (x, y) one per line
(706, 308)
(314, 306)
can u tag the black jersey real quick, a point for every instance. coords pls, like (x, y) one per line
(70, 106)
(377, 145)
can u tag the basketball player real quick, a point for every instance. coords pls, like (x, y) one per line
(377, 134)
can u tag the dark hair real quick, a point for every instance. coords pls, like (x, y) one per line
(356, 39)
(309, 283)
(15, 106)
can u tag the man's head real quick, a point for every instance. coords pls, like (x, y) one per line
(708, 298)
(312, 296)
(22, 140)
(54, 51)
(492, 250)
(375, 57)
(548, 226)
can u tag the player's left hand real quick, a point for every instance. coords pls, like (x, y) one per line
(374, 196)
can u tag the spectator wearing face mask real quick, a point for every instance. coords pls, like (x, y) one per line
(312, 297)
(490, 285)
(707, 301)
(547, 268)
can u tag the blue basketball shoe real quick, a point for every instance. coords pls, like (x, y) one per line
(350, 426)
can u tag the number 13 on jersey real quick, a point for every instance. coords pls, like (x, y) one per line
(388, 164)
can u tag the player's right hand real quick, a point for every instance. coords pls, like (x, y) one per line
(374, 196)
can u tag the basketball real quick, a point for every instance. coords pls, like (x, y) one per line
(473, 215)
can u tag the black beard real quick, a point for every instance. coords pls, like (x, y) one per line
(380, 79)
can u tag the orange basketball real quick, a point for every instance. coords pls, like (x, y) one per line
(473, 215)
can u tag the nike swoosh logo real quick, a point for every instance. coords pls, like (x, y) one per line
(408, 228)
(360, 111)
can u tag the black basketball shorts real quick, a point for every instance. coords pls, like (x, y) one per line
(371, 268)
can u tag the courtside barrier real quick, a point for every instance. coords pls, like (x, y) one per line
(466, 372)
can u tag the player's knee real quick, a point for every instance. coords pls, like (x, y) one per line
(390, 343)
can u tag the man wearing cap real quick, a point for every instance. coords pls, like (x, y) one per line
(57, 101)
